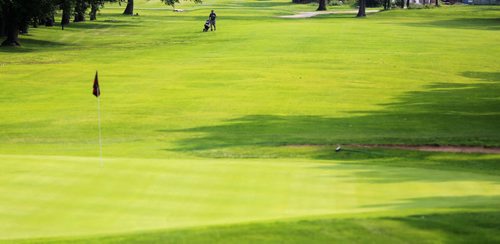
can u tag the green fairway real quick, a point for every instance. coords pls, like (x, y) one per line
(229, 136)
(74, 196)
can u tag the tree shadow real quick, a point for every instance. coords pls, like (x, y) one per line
(460, 226)
(338, 16)
(100, 25)
(32, 45)
(262, 4)
(457, 218)
(457, 227)
(470, 163)
(443, 114)
(368, 171)
(473, 202)
(462, 23)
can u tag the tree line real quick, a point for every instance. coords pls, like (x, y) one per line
(362, 4)
(17, 16)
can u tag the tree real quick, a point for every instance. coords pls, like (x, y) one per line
(95, 5)
(387, 4)
(437, 3)
(11, 22)
(173, 2)
(67, 7)
(16, 15)
(45, 15)
(2, 23)
(80, 10)
(362, 9)
(322, 5)
(129, 10)
(50, 20)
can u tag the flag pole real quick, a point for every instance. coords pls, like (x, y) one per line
(97, 93)
(100, 138)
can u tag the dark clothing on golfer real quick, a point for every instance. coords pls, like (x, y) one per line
(212, 18)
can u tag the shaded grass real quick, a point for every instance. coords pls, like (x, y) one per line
(459, 227)
(444, 114)
(73, 196)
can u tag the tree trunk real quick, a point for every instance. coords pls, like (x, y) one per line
(93, 11)
(49, 21)
(322, 5)
(129, 10)
(11, 27)
(12, 37)
(66, 14)
(80, 9)
(24, 29)
(437, 3)
(2, 25)
(24, 26)
(362, 8)
(65, 18)
(35, 22)
(79, 17)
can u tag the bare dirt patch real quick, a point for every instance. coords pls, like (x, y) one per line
(427, 148)
(303, 15)
(436, 148)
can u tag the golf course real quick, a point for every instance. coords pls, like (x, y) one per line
(267, 130)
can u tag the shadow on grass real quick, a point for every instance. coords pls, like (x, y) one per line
(478, 203)
(444, 114)
(101, 24)
(262, 4)
(400, 170)
(462, 23)
(32, 45)
(456, 227)
(461, 227)
(470, 163)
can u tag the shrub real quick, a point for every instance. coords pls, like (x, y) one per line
(336, 3)
(369, 3)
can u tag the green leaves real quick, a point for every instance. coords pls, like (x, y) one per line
(173, 2)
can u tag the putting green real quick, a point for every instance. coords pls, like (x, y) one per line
(74, 196)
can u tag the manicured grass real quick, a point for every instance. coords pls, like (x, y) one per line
(171, 91)
(236, 128)
(476, 227)
(65, 196)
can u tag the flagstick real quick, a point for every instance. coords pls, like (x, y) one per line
(100, 140)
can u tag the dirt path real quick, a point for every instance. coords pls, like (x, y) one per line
(302, 15)
(432, 148)
(427, 148)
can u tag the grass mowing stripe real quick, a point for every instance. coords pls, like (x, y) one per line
(141, 194)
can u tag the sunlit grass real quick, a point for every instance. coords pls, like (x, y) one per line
(240, 125)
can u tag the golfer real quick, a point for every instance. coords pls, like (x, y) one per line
(212, 18)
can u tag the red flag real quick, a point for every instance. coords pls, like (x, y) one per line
(96, 91)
